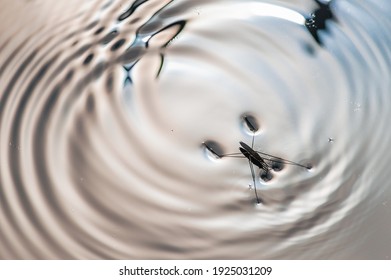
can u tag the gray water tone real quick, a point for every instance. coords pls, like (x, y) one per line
(106, 106)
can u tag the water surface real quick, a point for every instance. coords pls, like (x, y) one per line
(105, 106)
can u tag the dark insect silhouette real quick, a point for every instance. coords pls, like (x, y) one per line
(263, 161)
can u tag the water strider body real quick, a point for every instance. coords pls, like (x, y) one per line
(263, 161)
(253, 156)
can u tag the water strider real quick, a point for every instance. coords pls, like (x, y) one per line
(263, 161)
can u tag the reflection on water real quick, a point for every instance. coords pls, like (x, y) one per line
(105, 106)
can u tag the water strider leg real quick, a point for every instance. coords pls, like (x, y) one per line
(255, 186)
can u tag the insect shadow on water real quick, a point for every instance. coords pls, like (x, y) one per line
(263, 161)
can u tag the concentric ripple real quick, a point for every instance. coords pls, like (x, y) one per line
(106, 106)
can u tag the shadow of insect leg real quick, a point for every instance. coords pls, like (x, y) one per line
(255, 186)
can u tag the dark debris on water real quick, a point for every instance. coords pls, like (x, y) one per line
(317, 20)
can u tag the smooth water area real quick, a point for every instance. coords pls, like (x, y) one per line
(106, 106)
